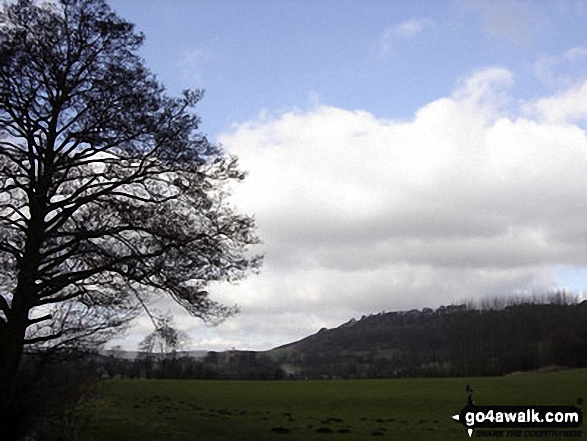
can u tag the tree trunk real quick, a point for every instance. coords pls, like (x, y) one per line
(14, 414)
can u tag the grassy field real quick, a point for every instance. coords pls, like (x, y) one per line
(406, 409)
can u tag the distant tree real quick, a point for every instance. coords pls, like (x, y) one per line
(159, 344)
(164, 339)
(108, 194)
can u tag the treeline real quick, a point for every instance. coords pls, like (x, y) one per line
(494, 338)
(240, 365)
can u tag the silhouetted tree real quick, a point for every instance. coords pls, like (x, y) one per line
(108, 194)
(157, 347)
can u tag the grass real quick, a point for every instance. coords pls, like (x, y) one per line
(403, 409)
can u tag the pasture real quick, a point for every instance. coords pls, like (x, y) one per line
(402, 409)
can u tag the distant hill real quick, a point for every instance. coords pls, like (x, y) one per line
(448, 341)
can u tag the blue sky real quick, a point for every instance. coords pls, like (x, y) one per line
(276, 55)
(401, 154)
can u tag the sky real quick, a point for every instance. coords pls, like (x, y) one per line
(400, 154)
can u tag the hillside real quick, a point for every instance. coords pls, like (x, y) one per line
(450, 341)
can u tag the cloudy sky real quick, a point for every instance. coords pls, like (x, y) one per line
(400, 154)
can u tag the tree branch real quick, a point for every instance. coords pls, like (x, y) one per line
(40, 319)
(43, 339)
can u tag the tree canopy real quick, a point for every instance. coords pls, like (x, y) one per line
(108, 192)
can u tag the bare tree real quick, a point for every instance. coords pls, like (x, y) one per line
(164, 341)
(165, 338)
(108, 194)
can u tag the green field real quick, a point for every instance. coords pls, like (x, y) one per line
(403, 409)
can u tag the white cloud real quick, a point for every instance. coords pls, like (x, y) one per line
(561, 71)
(401, 31)
(360, 214)
(575, 53)
(193, 60)
(409, 28)
(569, 105)
(485, 92)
